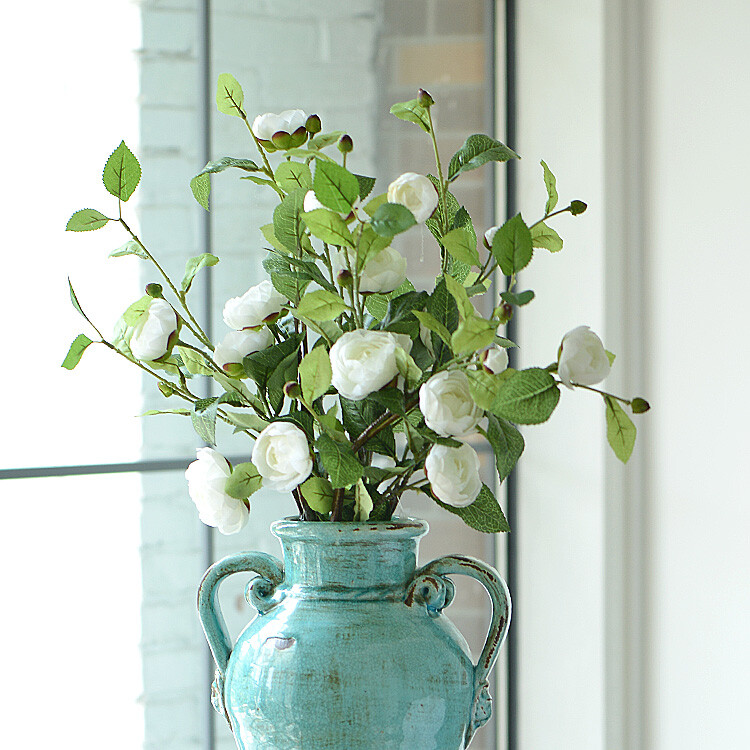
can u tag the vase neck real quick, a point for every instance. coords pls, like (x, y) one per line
(361, 562)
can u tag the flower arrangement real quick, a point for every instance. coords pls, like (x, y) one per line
(354, 386)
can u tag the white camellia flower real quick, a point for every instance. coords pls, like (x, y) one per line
(207, 478)
(264, 126)
(364, 361)
(150, 338)
(447, 404)
(259, 304)
(582, 359)
(489, 235)
(282, 456)
(415, 192)
(454, 474)
(382, 273)
(238, 344)
(495, 359)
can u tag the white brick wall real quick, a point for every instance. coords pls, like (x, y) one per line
(323, 56)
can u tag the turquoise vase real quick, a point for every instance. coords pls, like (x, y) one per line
(350, 649)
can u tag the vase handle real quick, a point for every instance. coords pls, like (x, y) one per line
(431, 587)
(260, 594)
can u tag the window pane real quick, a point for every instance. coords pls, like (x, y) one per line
(72, 631)
(74, 98)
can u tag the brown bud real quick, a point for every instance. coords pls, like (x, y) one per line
(345, 278)
(345, 144)
(293, 389)
(154, 290)
(312, 124)
(577, 207)
(639, 405)
(424, 98)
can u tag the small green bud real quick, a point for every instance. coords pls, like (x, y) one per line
(639, 405)
(312, 124)
(281, 140)
(577, 207)
(504, 312)
(293, 389)
(154, 290)
(424, 98)
(345, 144)
(345, 278)
(167, 389)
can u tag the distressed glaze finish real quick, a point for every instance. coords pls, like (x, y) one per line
(350, 649)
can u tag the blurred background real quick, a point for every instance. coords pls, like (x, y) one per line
(630, 584)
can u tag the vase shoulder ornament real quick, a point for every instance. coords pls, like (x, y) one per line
(350, 649)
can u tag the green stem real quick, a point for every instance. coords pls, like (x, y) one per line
(441, 191)
(549, 216)
(603, 393)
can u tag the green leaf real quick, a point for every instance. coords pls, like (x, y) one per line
(201, 187)
(377, 305)
(621, 431)
(611, 356)
(551, 184)
(391, 398)
(477, 150)
(122, 173)
(442, 306)
(229, 96)
(153, 412)
(285, 372)
(243, 481)
(335, 187)
(194, 363)
(287, 224)
(260, 365)
(134, 312)
(484, 514)
(76, 303)
(318, 494)
(527, 397)
(459, 243)
(203, 417)
(366, 184)
(412, 111)
(293, 175)
(362, 502)
(321, 305)
(507, 444)
(391, 219)
(434, 325)
(268, 233)
(512, 247)
(328, 226)
(375, 203)
(86, 220)
(370, 244)
(472, 335)
(484, 386)
(517, 298)
(227, 162)
(194, 265)
(358, 415)
(77, 348)
(546, 237)
(458, 292)
(407, 368)
(131, 247)
(400, 310)
(246, 421)
(315, 374)
(321, 140)
(339, 461)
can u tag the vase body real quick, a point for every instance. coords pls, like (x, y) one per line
(350, 649)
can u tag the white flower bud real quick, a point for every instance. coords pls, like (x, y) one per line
(447, 404)
(363, 362)
(583, 359)
(415, 192)
(454, 474)
(264, 126)
(382, 273)
(150, 338)
(495, 359)
(207, 478)
(282, 456)
(238, 344)
(489, 235)
(260, 303)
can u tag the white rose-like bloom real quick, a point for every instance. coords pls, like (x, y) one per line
(282, 456)
(364, 361)
(238, 344)
(264, 126)
(495, 359)
(583, 359)
(415, 192)
(258, 304)
(382, 273)
(454, 474)
(207, 478)
(151, 333)
(447, 404)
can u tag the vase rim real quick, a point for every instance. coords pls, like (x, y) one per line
(339, 531)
